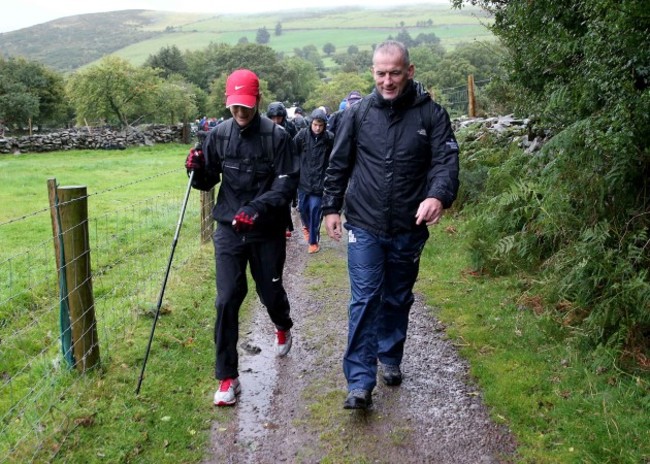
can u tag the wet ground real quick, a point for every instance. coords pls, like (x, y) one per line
(290, 409)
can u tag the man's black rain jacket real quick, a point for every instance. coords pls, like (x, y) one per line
(257, 166)
(388, 156)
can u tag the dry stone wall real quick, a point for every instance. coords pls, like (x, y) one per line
(91, 139)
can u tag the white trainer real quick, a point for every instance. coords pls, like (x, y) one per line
(282, 342)
(227, 393)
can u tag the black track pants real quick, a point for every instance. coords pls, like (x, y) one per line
(266, 258)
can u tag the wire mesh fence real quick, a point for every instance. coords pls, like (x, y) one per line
(129, 243)
(457, 99)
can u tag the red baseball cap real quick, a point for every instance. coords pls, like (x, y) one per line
(242, 88)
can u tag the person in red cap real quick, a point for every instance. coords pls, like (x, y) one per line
(256, 163)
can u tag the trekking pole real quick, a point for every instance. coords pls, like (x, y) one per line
(162, 290)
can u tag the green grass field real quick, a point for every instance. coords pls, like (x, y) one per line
(340, 27)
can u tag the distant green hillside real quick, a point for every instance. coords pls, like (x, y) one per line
(70, 43)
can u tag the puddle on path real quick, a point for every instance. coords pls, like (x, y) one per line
(258, 376)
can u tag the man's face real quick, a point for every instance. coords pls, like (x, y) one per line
(277, 119)
(317, 126)
(390, 74)
(242, 115)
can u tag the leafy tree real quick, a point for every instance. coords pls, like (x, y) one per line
(30, 93)
(169, 60)
(358, 62)
(114, 91)
(329, 48)
(263, 36)
(353, 50)
(331, 93)
(301, 77)
(221, 59)
(426, 57)
(243, 40)
(310, 53)
(405, 38)
(177, 99)
(578, 216)
(486, 57)
(452, 72)
(430, 38)
(205, 64)
(278, 28)
(17, 105)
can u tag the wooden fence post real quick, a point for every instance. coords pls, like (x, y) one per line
(207, 224)
(51, 194)
(186, 133)
(471, 105)
(70, 213)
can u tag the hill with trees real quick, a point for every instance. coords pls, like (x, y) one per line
(69, 43)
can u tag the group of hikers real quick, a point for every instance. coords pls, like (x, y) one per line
(386, 162)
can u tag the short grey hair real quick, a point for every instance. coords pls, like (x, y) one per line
(392, 46)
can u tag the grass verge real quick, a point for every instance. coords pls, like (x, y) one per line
(561, 406)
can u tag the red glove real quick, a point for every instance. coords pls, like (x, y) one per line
(244, 219)
(195, 160)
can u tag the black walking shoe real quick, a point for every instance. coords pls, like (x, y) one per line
(392, 375)
(358, 399)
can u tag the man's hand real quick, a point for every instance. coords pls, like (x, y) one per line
(333, 226)
(195, 160)
(429, 211)
(245, 218)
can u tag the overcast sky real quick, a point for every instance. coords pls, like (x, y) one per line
(18, 14)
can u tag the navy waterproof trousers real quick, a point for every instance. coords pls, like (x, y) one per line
(382, 270)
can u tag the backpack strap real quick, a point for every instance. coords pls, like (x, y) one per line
(267, 133)
(223, 136)
(426, 117)
(362, 107)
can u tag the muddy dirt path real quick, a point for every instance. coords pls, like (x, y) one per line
(290, 409)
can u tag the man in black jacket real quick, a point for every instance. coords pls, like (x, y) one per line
(277, 113)
(258, 168)
(395, 162)
(314, 145)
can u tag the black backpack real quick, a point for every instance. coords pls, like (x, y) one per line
(267, 134)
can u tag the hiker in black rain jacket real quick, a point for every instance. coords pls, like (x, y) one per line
(393, 170)
(256, 165)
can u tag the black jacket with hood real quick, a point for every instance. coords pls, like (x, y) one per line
(388, 156)
(257, 166)
(314, 152)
